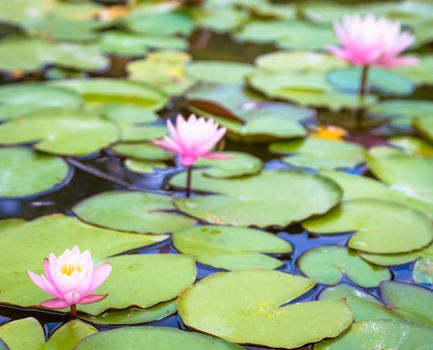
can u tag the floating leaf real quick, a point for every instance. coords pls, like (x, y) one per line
(150, 338)
(132, 211)
(413, 145)
(219, 18)
(48, 173)
(19, 99)
(423, 271)
(410, 301)
(262, 200)
(363, 305)
(168, 23)
(246, 307)
(55, 131)
(382, 334)
(125, 114)
(134, 133)
(420, 73)
(142, 166)
(219, 71)
(231, 248)
(328, 264)
(424, 125)
(320, 153)
(142, 151)
(64, 338)
(382, 227)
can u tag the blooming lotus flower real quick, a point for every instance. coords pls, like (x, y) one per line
(192, 139)
(370, 41)
(71, 278)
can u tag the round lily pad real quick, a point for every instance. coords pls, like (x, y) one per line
(383, 81)
(245, 306)
(150, 338)
(164, 23)
(363, 305)
(19, 99)
(262, 200)
(237, 164)
(320, 153)
(424, 125)
(381, 226)
(410, 301)
(48, 173)
(28, 334)
(219, 71)
(385, 334)
(134, 315)
(141, 133)
(132, 211)
(143, 167)
(143, 280)
(56, 131)
(420, 73)
(406, 173)
(219, 18)
(328, 264)
(231, 248)
(142, 151)
(413, 145)
(125, 114)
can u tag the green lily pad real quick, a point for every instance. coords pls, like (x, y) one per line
(102, 90)
(24, 54)
(168, 23)
(420, 73)
(320, 153)
(383, 81)
(411, 301)
(219, 71)
(423, 271)
(64, 338)
(55, 131)
(328, 264)
(141, 133)
(424, 126)
(134, 315)
(150, 338)
(48, 172)
(382, 334)
(381, 226)
(413, 145)
(363, 305)
(303, 61)
(261, 200)
(142, 151)
(19, 99)
(143, 280)
(231, 248)
(143, 166)
(132, 211)
(136, 45)
(239, 164)
(124, 114)
(245, 306)
(406, 173)
(218, 18)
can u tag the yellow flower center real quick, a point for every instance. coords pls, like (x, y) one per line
(68, 269)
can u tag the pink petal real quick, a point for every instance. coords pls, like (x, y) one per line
(188, 160)
(100, 274)
(55, 303)
(36, 279)
(217, 156)
(400, 62)
(72, 298)
(89, 299)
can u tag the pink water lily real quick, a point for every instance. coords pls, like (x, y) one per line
(367, 41)
(71, 278)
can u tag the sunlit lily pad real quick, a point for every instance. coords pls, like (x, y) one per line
(125, 114)
(382, 81)
(134, 315)
(16, 100)
(28, 334)
(167, 23)
(56, 131)
(102, 90)
(413, 145)
(231, 248)
(132, 211)
(420, 73)
(261, 200)
(48, 173)
(143, 166)
(219, 71)
(382, 334)
(328, 264)
(406, 173)
(141, 133)
(147, 338)
(411, 301)
(142, 151)
(424, 125)
(144, 280)
(219, 18)
(320, 153)
(363, 305)
(423, 270)
(237, 164)
(246, 307)
(380, 226)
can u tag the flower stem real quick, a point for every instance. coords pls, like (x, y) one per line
(188, 181)
(363, 83)
(74, 311)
